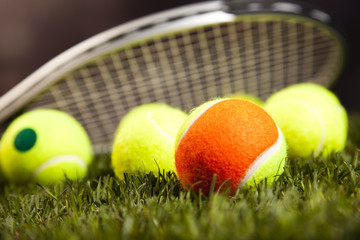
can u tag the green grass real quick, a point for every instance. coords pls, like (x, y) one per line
(314, 199)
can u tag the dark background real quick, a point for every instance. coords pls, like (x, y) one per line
(33, 32)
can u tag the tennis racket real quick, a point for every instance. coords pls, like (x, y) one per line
(183, 57)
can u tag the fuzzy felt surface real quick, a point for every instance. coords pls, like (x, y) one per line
(224, 140)
(38, 136)
(145, 139)
(311, 118)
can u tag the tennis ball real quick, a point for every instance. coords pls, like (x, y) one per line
(2, 178)
(311, 118)
(43, 146)
(249, 97)
(144, 141)
(232, 138)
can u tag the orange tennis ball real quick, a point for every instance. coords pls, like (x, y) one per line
(232, 138)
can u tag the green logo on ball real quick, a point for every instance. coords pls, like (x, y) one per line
(25, 140)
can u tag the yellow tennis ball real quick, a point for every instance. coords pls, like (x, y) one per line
(311, 118)
(2, 178)
(145, 139)
(43, 146)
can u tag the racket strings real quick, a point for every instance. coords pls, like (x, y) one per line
(187, 68)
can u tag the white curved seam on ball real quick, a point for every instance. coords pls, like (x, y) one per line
(157, 126)
(321, 143)
(59, 159)
(261, 159)
(194, 119)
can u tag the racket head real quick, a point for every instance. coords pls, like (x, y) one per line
(183, 57)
